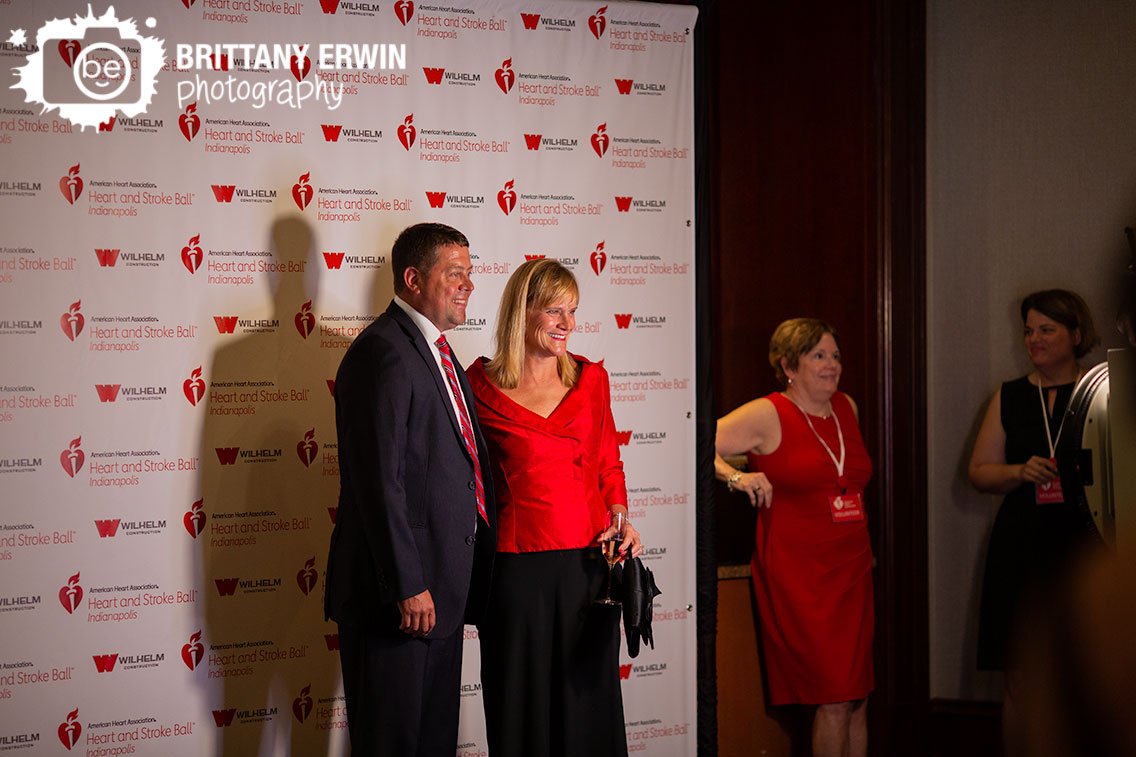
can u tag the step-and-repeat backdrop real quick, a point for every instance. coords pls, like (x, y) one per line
(178, 284)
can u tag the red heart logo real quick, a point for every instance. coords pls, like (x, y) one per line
(300, 68)
(69, 50)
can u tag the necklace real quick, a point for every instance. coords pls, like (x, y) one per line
(836, 461)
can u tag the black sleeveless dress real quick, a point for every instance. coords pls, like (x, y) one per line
(1030, 544)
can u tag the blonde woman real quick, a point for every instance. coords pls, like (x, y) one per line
(549, 654)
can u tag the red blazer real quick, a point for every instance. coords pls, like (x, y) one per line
(557, 477)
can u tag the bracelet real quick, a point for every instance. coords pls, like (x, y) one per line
(733, 479)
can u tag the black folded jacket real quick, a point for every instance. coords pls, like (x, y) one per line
(637, 593)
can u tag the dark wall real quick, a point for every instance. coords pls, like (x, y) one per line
(796, 206)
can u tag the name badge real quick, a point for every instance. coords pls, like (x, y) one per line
(1050, 492)
(846, 508)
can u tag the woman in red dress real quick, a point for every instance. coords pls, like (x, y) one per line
(812, 567)
(549, 654)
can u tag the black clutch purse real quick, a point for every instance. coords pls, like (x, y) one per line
(637, 593)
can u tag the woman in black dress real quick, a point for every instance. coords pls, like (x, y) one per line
(1035, 530)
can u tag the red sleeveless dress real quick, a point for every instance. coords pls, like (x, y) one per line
(812, 575)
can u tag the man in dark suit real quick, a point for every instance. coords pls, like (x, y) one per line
(413, 543)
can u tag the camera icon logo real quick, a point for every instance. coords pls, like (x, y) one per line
(101, 67)
(91, 68)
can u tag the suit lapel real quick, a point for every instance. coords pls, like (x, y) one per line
(415, 336)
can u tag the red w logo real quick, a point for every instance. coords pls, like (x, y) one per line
(331, 132)
(107, 125)
(622, 320)
(625, 671)
(224, 718)
(433, 75)
(532, 141)
(530, 20)
(226, 324)
(533, 257)
(107, 392)
(224, 192)
(107, 258)
(104, 663)
(436, 199)
(226, 587)
(622, 204)
(227, 455)
(332, 641)
(107, 528)
(329, 6)
(332, 512)
(333, 260)
(623, 437)
(624, 86)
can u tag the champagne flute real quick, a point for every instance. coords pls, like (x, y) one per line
(610, 547)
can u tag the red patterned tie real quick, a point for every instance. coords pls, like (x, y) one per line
(463, 421)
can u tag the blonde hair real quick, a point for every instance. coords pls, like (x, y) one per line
(535, 284)
(794, 338)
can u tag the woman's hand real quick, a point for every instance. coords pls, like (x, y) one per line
(756, 486)
(1037, 470)
(630, 543)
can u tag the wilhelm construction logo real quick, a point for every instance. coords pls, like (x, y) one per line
(442, 199)
(450, 77)
(629, 203)
(109, 529)
(640, 438)
(534, 21)
(193, 389)
(472, 324)
(336, 133)
(116, 661)
(228, 587)
(350, 8)
(23, 327)
(112, 257)
(20, 464)
(633, 87)
(227, 193)
(235, 716)
(625, 321)
(335, 261)
(20, 188)
(234, 455)
(138, 125)
(230, 324)
(549, 143)
(647, 670)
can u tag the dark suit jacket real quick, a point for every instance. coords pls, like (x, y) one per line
(407, 518)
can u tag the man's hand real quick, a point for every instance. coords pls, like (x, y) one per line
(417, 614)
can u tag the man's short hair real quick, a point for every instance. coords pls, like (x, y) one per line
(417, 247)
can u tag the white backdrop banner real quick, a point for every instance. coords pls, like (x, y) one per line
(181, 269)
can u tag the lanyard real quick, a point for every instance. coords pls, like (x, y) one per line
(1045, 422)
(838, 462)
